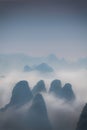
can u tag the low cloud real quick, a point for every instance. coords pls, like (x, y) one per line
(62, 115)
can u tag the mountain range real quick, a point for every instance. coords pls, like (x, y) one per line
(18, 61)
(43, 68)
(64, 92)
(36, 117)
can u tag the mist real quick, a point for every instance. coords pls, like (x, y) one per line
(76, 78)
(62, 115)
(32, 33)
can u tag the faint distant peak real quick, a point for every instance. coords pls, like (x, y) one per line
(52, 57)
(43, 67)
(27, 68)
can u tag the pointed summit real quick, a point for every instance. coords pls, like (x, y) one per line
(67, 92)
(56, 87)
(37, 116)
(21, 94)
(38, 102)
(39, 87)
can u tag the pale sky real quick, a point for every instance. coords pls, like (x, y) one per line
(41, 29)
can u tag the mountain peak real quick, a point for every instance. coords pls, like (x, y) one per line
(67, 92)
(21, 93)
(43, 67)
(38, 99)
(56, 87)
(27, 68)
(39, 87)
(37, 117)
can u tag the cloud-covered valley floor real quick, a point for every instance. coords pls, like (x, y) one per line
(62, 115)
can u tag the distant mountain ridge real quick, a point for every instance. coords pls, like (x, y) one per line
(43, 68)
(8, 62)
(27, 68)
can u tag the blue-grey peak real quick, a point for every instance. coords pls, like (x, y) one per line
(67, 92)
(39, 87)
(37, 115)
(21, 94)
(43, 67)
(27, 68)
(56, 87)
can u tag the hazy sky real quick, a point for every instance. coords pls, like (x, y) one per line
(44, 27)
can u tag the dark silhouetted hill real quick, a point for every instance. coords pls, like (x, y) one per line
(37, 116)
(82, 124)
(67, 92)
(56, 87)
(39, 87)
(21, 94)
